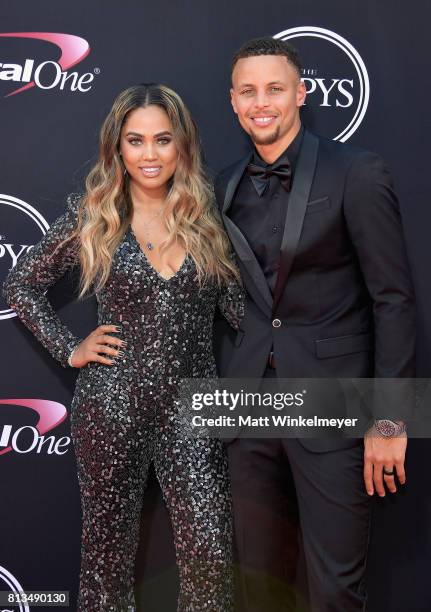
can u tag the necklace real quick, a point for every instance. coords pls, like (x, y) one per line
(148, 244)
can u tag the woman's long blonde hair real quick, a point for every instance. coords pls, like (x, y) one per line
(190, 213)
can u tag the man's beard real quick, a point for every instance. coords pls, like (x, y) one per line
(268, 139)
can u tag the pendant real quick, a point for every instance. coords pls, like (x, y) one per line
(150, 246)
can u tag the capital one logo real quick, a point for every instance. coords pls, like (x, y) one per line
(9, 584)
(52, 73)
(336, 80)
(21, 226)
(28, 438)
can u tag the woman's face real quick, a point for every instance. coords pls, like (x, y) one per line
(148, 149)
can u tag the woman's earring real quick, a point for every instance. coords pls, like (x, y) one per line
(125, 169)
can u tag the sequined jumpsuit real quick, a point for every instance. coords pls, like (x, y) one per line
(123, 417)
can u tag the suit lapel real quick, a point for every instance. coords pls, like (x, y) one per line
(235, 178)
(254, 278)
(296, 209)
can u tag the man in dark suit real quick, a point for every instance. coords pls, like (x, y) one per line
(316, 229)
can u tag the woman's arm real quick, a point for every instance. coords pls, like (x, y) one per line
(25, 287)
(231, 303)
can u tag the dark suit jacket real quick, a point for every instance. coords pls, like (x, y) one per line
(344, 294)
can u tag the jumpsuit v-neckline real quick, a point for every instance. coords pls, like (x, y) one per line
(149, 264)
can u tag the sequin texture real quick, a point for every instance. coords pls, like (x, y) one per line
(123, 417)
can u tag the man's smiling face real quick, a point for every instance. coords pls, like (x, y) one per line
(266, 94)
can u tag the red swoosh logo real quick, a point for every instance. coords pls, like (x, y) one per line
(50, 414)
(73, 49)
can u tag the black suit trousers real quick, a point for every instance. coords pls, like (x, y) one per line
(296, 509)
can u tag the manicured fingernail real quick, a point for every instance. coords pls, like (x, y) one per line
(121, 353)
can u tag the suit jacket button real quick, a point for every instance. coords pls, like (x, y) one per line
(276, 323)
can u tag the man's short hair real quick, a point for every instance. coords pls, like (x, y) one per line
(267, 45)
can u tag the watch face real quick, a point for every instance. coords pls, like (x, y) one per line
(386, 427)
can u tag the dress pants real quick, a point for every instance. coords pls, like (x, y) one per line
(333, 519)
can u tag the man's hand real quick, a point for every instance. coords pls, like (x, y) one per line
(381, 452)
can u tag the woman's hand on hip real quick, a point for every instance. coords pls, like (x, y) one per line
(98, 346)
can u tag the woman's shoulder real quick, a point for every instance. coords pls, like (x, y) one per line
(73, 201)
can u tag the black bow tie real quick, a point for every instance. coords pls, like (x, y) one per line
(260, 175)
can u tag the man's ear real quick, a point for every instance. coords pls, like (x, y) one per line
(301, 94)
(232, 100)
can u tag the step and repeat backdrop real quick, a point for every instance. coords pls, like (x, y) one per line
(61, 65)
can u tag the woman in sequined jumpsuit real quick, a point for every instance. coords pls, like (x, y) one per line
(123, 411)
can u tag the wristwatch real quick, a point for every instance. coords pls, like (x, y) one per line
(390, 429)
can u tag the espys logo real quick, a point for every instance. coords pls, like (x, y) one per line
(51, 73)
(336, 79)
(25, 439)
(10, 584)
(14, 214)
